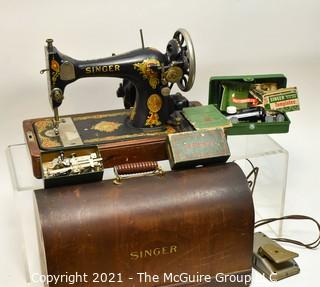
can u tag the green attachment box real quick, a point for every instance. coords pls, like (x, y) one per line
(201, 147)
(217, 89)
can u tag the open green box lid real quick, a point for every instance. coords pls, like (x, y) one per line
(216, 90)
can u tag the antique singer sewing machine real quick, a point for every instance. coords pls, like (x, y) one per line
(150, 73)
(151, 111)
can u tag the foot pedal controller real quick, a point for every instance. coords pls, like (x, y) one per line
(272, 260)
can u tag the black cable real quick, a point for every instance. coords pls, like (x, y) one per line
(312, 245)
(254, 172)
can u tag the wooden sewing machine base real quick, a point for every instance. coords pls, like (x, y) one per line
(118, 143)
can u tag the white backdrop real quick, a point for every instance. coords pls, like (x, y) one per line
(230, 37)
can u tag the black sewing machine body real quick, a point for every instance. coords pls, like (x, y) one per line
(148, 76)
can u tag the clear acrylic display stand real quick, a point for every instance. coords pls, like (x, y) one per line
(272, 160)
(262, 151)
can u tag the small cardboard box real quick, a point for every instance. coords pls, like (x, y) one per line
(201, 147)
(216, 90)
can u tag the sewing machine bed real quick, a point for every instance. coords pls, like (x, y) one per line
(118, 143)
(97, 128)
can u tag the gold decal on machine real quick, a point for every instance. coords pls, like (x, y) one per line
(55, 67)
(154, 105)
(147, 69)
(102, 69)
(166, 250)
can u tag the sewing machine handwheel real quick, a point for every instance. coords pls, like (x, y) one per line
(188, 57)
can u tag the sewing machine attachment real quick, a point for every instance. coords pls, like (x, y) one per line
(272, 260)
(71, 166)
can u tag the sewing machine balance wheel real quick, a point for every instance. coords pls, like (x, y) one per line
(188, 57)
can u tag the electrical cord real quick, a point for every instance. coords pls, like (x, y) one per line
(311, 245)
(254, 172)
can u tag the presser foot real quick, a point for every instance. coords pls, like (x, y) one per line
(66, 131)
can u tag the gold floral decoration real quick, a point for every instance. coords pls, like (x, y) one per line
(106, 126)
(146, 70)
